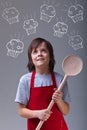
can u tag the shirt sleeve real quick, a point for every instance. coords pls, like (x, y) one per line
(66, 95)
(22, 94)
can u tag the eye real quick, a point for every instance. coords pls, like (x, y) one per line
(34, 51)
(44, 50)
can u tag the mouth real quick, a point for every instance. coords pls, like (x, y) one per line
(40, 59)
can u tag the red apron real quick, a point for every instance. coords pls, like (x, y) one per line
(40, 98)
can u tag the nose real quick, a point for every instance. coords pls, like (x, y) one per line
(39, 53)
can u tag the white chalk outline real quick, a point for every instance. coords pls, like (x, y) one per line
(58, 32)
(44, 15)
(78, 16)
(75, 46)
(30, 29)
(11, 19)
(11, 51)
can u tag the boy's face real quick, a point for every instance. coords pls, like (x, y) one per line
(40, 56)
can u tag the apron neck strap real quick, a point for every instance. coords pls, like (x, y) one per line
(53, 78)
(32, 79)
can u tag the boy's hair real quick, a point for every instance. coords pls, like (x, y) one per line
(34, 44)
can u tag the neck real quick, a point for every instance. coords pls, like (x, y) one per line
(42, 70)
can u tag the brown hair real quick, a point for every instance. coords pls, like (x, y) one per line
(34, 44)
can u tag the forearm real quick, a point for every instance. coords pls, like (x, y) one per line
(63, 106)
(27, 113)
(43, 114)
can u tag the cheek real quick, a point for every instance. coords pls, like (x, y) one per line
(33, 61)
(48, 57)
(33, 58)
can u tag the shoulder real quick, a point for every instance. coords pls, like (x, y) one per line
(58, 77)
(26, 77)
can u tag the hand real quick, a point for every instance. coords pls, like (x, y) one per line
(43, 114)
(57, 96)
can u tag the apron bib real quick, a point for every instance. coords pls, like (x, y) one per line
(40, 98)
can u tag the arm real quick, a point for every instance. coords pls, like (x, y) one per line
(29, 114)
(62, 105)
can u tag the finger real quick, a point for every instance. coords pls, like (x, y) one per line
(54, 89)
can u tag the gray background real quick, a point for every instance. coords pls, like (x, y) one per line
(11, 69)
